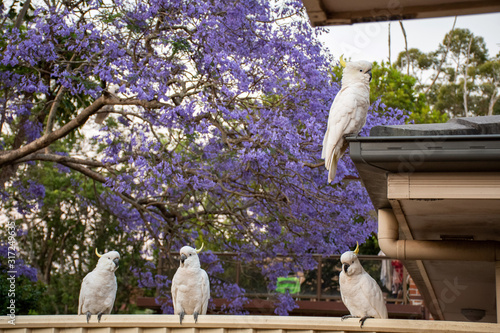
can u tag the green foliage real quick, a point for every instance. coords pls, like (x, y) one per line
(398, 90)
(459, 46)
(441, 75)
(394, 88)
(489, 72)
(28, 295)
(109, 17)
(418, 60)
(63, 234)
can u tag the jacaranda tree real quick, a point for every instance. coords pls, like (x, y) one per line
(214, 114)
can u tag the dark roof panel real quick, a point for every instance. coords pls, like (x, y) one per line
(456, 126)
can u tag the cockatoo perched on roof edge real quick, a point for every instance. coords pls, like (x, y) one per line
(348, 112)
(360, 292)
(98, 291)
(190, 285)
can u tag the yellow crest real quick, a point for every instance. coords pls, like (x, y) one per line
(357, 248)
(342, 61)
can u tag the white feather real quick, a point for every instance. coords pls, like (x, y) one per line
(360, 292)
(190, 285)
(98, 290)
(347, 113)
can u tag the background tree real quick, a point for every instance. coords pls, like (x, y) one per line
(61, 231)
(458, 79)
(488, 74)
(419, 62)
(213, 116)
(27, 292)
(398, 90)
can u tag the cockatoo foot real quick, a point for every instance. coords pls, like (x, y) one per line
(195, 314)
(348, 316)
(181, 316)
(362, 320)
(99, 315)
(88, 316)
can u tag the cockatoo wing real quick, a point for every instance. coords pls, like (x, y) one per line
(346, 302)
(174, 289)
(84, 290)
(371, 290)
(205, 291)
(114, 298)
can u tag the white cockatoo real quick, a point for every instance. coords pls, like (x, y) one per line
(347, 113)
(98, 291)
(190, 285)
(360, 292)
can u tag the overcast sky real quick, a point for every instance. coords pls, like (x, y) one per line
(369, 41)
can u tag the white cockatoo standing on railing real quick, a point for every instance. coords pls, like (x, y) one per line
(360, 292)
(190, 285)
(98, 290)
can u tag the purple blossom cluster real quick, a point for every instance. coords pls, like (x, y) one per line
(32, 194)
(19, 267)
(223, 141)
(285, 303)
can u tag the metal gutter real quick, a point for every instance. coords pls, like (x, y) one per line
(376, 156)
(434, 138)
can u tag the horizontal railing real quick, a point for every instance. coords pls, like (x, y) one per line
(319, 294)
(228, 324)
(305, 308)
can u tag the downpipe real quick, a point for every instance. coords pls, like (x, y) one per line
(392, 246)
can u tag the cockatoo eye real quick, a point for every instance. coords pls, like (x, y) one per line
(190, 254)
(360, 70)
(352, 262)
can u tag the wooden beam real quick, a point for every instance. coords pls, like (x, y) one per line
(439, 185)
(400, 12)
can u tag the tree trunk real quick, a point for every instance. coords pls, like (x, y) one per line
(406, 49)
(389, 41)
(443, 59)
(466, 66)
(22, 13)
(494, 98)
(9, 171)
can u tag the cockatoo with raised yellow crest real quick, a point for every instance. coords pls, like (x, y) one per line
(360, 292)
(98, 290)
(347, 113)
(190, 285)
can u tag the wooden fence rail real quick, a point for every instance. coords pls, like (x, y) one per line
(229, 324)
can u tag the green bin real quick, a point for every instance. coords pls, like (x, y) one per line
(292, 284)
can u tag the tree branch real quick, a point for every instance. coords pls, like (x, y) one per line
(22, 13)
(53, 109)
(44, 141)
(406, 49)
(86, 171)
(443, 59)
(12, 156)
(59, 159)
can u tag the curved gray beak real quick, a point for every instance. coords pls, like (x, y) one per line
(183, 257)
(370, 72)
(346, 267)
(117, 262)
